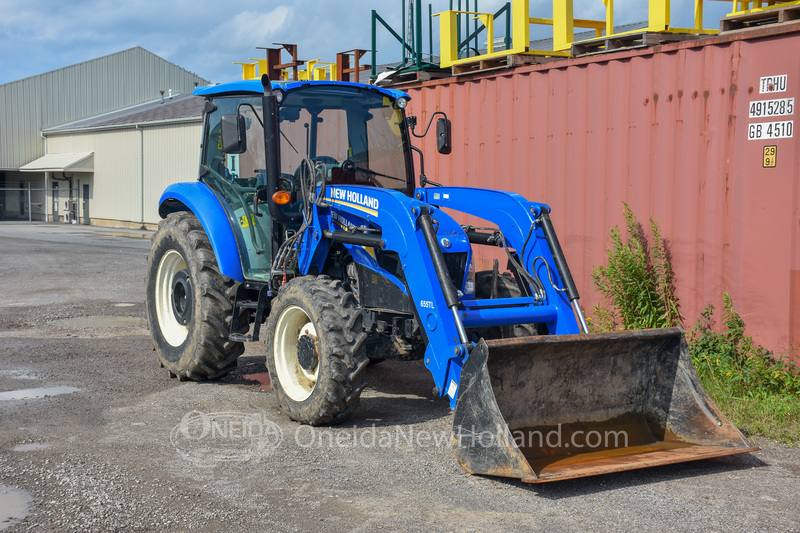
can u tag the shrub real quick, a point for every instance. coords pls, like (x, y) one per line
(638, 285)
(734, 363)
(758, 393)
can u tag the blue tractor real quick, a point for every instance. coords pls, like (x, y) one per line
(307, 228)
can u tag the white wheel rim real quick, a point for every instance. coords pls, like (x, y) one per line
(173, 331)
(297, 382)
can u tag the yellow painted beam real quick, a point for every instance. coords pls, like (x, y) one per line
(609, 16)
(521, 28)
(262, 66)
(505, 53)
(487, 19)
(659, 15)
(563, 25)
(448, 38)
(741, 7)
(248, 70)
(698, 14)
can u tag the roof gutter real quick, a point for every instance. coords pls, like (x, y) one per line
(134, 125)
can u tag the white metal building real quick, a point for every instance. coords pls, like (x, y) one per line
(85, 142)
(134, 154)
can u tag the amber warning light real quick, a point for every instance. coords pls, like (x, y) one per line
(281, 197)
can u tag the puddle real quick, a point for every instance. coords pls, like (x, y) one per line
(17, 374)
(262, 378)
(33, 394)
(31, 447)
(88, 322)
(14, 506)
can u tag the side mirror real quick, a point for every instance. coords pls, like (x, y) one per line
(234, 137)
(443, 140)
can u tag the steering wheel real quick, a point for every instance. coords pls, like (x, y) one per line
(229, 187)
(329, 162)
(287, 183)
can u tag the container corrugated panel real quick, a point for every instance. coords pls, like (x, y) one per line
(665, 130)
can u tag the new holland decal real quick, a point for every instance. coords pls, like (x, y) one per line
(354, 199)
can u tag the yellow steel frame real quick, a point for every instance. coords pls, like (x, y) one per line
(520, 32)
(248, 70)
(319, 70)
(316, 73)
(742, 7)
(659, 16)
(563, 23)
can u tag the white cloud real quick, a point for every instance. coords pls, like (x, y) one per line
(251, 27)
(206, 38)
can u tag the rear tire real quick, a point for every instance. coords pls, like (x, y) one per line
(315, 350)
(189, 302)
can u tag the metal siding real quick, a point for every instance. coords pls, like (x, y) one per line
(172, 155)
(115, 188)
(662, 129)
(98, 86)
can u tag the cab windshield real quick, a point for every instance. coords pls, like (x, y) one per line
(356, 133)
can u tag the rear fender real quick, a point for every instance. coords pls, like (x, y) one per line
(200, 199)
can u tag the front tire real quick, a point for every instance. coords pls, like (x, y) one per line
(315, 346)
(189, 302)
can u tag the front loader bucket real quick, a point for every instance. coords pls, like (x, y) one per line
(565, 406)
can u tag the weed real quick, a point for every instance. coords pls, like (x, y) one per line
(638, 285)
(757, 392)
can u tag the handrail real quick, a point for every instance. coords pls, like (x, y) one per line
(563, 23)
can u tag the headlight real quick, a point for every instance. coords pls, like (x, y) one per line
(469, 285)
(401, 102)
(279, 94)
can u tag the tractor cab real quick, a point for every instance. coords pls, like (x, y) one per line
(339, 134)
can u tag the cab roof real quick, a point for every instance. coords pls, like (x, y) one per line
(254, 87)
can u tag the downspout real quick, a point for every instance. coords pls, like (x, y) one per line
(141, 173)
(46, 175)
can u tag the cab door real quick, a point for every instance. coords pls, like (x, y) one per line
(235, 171)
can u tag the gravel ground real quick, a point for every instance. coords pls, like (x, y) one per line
(132, 450)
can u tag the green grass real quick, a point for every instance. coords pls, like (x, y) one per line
(755, 391)
(638, 284)
(772, 417)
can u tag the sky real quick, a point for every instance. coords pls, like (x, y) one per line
(206, 38)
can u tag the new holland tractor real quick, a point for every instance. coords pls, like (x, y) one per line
(308, 229)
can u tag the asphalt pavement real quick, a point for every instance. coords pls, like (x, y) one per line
(94, 436)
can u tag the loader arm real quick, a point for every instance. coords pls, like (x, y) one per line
(516, 218)
(399, 224)
(397, 219)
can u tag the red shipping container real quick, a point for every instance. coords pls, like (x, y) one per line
(698, 135)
